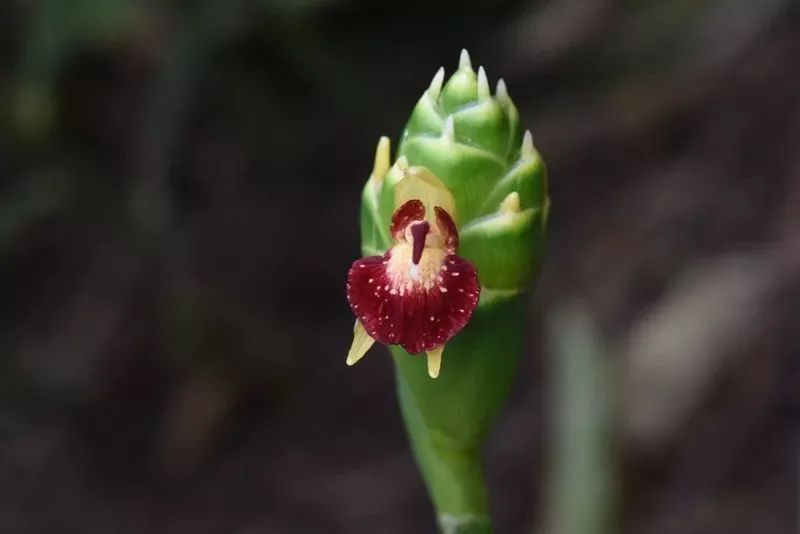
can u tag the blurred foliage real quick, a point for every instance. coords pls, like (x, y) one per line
(582, 475)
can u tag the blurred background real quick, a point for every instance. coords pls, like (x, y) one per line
(178, 210)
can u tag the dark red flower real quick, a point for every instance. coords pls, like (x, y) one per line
(420, 293)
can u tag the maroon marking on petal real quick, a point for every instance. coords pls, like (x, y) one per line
(419, 319)
(418, 232)
(411, 211)
(448, 229)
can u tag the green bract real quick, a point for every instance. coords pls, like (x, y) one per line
(473, 142)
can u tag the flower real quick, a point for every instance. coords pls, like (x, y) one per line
(419, 294)
(462, 147)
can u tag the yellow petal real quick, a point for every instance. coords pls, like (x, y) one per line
(435, 361)
(361, 344)
(420, 183)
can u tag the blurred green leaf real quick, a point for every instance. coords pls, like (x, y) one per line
(583, 493)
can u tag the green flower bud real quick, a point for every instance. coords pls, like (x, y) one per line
(468, 146)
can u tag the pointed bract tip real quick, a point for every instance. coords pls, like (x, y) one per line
(483, 85)
(501, 93)
(435, 87)
(464, 62)
(511, 204)
(448, 130)
(401, 163)
(435, 361)
(383, 158)
(527, 145)
(361, 344)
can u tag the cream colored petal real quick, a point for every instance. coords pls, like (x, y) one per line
(420, 183)
(435, 361)
(361, 344)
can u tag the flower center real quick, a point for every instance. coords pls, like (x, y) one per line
(405, 275)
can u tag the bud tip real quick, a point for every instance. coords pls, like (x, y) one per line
(511, 203)
(502, 92)
(436, 84)
(527, 145)
(383, 157)
(483, 85)
(464, 62)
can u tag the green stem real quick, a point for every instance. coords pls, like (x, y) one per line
(454, 476)
(449, 418)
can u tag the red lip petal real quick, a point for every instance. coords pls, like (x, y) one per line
(418, 320)
(411, 211)
(448, 228)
